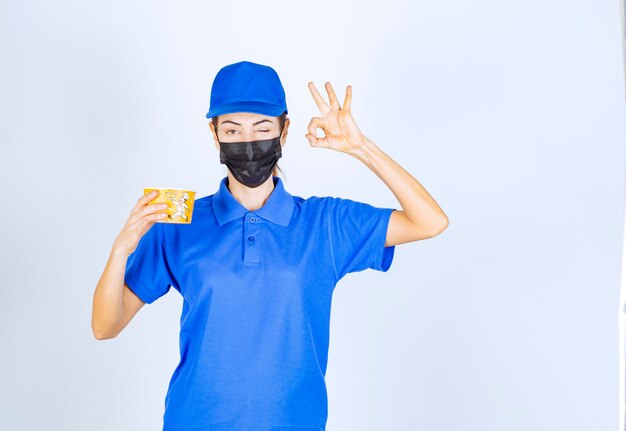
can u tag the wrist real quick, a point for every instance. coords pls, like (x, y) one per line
(366, 152)
(119, 252)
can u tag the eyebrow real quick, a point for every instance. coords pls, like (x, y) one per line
(237, 124)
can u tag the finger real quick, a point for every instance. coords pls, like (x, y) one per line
(347, 103)
(155, 217)
(334, 103)
(142, 201)
(312, 139)
(314, 124)
(153, 208)
(144, 224)
(316, 142)
(141, 212)
(321, 103)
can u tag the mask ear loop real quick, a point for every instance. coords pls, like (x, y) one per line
(279, 150)
(280, 135)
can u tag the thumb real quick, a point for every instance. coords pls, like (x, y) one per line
(314, 141)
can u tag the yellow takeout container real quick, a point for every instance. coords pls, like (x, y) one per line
(180, 203)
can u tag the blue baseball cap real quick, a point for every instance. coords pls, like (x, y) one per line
(247, 87)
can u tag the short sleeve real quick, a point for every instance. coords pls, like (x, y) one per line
(147, 272)
(357, 234)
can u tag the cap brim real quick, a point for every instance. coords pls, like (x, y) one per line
(253, 107)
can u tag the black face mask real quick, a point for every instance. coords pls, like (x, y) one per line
(251, 162)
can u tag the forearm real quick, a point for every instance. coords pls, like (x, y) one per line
(108, 300)
(417, 204)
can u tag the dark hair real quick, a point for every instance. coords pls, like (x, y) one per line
(281, 123)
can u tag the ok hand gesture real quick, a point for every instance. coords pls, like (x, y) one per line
(340, 129)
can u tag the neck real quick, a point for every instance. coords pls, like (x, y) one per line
(251, 198)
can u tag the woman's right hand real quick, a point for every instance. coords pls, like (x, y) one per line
(140, 220)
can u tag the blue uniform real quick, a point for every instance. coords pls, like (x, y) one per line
(257, 289)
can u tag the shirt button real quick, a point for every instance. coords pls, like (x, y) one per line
(252, 219)
(250, 238)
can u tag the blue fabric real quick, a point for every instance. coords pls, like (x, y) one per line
(257, 289)
(247, 87)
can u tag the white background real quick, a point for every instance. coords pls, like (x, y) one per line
(511, 114)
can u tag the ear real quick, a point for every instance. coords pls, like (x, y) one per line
(214, 133)
(283, 138)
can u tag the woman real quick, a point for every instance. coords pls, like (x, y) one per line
(257, 266)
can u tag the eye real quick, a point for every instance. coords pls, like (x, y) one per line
(230, 130)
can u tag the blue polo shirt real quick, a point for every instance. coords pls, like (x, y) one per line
(257, 289)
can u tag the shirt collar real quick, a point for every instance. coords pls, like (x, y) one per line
(278, 207)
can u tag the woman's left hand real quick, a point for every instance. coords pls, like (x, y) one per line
(340, 129)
